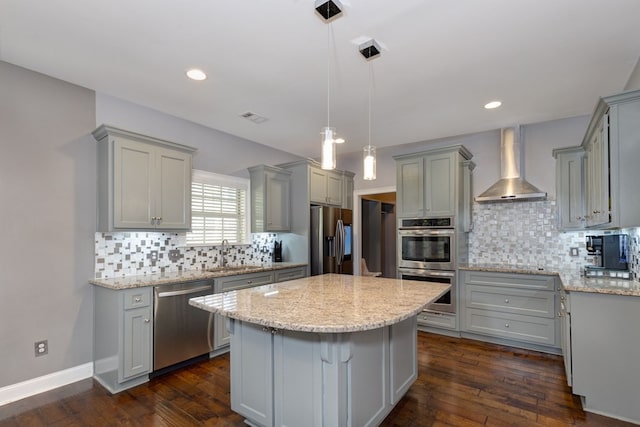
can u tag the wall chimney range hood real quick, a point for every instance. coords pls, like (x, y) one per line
(511, 185)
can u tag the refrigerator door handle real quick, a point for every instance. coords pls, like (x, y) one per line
(339, 242)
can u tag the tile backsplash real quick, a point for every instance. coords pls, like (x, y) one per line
(140, 253)
(526, 233)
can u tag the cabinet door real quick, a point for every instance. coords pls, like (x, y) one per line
(440, 185)
(410, 187)
(598, 176)
(278, 202)
(173, 190)
(334, 189)
(570, 191)
(347, 194)
(136, 345)
(317, 185)
(252, 372)
(133, 176)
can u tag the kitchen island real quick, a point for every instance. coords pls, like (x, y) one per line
(332, 350)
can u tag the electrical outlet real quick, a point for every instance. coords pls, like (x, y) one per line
(573, 252)
(41, 347)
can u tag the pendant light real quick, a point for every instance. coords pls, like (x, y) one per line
(328, 10)
(369, 50)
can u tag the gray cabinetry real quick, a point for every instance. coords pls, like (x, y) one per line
(347, 192)
(143, 183)
(610, 171)
(122, 337)
(270, 199)
(605, 346)
(289, 274)
(565, 334)
(290, 378)
(325, 187)
(431, 183)
(570, 187)
(517, 307)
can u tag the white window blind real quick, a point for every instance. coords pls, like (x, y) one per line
(219, 209)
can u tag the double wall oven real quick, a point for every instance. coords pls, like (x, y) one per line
(427, 252)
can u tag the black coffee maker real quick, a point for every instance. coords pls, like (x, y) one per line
(277, 251)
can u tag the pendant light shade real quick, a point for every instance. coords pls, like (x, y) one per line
(369, 163)
(328, 149)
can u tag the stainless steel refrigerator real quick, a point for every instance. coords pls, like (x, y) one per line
(331, 240)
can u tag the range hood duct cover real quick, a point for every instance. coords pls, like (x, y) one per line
(511, 185)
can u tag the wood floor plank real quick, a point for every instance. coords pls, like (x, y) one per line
(461, 383)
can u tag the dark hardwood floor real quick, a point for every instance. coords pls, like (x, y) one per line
(461, 383)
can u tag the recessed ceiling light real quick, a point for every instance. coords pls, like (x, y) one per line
(196, 74)
(493, 104)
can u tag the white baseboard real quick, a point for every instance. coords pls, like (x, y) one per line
(27, 388)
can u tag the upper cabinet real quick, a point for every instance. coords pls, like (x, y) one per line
(609, 172)
(347, 189)
(143, 183)
(270, 199)
(431, 183)
(325, 187)
(570, 188)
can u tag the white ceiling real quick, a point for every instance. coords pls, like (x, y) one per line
(443, 60)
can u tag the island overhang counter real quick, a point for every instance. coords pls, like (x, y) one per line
(329, 350)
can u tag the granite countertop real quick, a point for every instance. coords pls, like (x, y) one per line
(572, 281)
(186, 276)
(330, 303)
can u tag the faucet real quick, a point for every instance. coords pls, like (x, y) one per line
(225, 248)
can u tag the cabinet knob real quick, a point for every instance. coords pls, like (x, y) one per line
(274, 331)
(265, 329)
(137, 299)
(146, 320)
(249, 282)
(506, 300)
(159, 218)
(506, 325)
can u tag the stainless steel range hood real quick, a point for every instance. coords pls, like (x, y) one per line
(511, 185)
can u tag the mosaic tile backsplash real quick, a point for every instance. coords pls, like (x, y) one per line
(526, 233)
(140, 253)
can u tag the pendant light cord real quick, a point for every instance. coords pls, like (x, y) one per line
(370, 85)
(328, 67)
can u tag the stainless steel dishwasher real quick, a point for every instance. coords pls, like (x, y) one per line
(181, 331)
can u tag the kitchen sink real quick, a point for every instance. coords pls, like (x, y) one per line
(235, 269)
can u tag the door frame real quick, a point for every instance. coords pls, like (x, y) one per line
(357, 221)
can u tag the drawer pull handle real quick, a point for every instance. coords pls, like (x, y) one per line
(506, 325)
(506, 300)
(137, 299)
(249, 282)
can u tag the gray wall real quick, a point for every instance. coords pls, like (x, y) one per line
(538, 141)
(634, 78)
(217, 151)
(47, 189)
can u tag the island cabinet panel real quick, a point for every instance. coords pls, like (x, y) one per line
(291, 378)
(520, 308)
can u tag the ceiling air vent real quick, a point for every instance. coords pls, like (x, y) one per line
(370, 49)
(253, 117)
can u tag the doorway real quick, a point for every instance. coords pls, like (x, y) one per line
(378, 232)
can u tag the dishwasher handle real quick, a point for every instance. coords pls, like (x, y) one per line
(185, 291)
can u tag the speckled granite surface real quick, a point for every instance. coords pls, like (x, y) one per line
(572, 281)
(330, 303)
(184, 276)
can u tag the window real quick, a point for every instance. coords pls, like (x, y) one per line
(218, 209)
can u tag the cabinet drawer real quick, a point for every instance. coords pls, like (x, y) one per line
(516, 301)
(510, 280)
(537, 330)
(134, 298)
(437, 320)
(232, 283)
(290, 274)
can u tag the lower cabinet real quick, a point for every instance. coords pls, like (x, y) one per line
(243, 281)
(291, 378)
(122, 337)
(508, 306)
(438, 320)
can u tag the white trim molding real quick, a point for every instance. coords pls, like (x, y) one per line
(31, 387)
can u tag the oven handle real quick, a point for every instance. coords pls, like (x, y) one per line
(427, 273)
(184, 291)
(414, 232)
